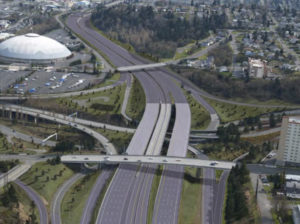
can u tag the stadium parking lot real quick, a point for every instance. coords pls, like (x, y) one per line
(8, 78)
(54, 82)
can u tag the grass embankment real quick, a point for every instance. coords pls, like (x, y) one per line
(153, 193)
(200, 116)
(261, 139)
(98, 103)
(224, 152)
(231, 112)
(75, 199)
(16, 206)
(46, 179)
(108, 81)
(119, 139)
(25, 202)
(218, 174)
(137, 101)
(191, 197)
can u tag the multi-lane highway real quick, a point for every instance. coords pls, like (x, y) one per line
(153, 82)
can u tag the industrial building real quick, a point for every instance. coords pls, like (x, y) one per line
(32, 48)
(289, 143)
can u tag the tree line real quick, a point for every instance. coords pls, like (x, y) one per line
(156, 33)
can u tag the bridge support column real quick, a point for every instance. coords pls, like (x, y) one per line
(35, 120)
(10, 114)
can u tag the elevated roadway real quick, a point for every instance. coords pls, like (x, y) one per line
(62, 119)
(133, 68)
(133, 159)
(123, 181)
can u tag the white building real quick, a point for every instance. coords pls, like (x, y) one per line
(289, 143)
(32, 48)
(257, 68)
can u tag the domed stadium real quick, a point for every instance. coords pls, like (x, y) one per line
(32, 48)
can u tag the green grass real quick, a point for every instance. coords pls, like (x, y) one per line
(38, 182)
(274, 102)
(200, 116)
(113, 97)
(231, 112)
(71, 211)
(228, 152)
(136, 101)
(191, 198)
(119, 139)
(218, 174)
(152, 197)
(108, 81)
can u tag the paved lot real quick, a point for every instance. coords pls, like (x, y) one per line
(9, 77)
(54, 82)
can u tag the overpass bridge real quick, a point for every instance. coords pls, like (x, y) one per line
(134, 159)
(140, 67)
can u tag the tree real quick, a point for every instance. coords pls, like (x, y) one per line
(272, 121)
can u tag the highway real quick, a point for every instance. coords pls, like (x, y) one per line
(94, 195)
(145, 159)
(62, 119)
(140, 67)
(58, 197)
(12, 133)
(53, 116)
(14, 173)
(121, 57)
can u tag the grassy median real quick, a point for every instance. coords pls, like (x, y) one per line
(200, 116)
(75, 199)
(45, 179)
(191, 197)
(136, 101)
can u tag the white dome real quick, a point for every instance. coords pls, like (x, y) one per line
(32, 46)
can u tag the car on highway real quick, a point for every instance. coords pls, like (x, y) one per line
(86, 158)
(165, 160)
(213, 163)
(106, 158)
(125, 158)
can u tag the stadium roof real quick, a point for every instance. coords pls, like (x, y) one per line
(32, 46)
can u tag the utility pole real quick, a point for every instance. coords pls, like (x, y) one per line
(256, 190)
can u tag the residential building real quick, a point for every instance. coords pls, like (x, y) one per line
(289, 143)
(292, 186)
(257, 68)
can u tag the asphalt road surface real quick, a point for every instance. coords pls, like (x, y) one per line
(37, 201)
(59, 194)
(94, 195)
(121, 57)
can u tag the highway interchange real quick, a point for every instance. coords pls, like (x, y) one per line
(126, 200)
